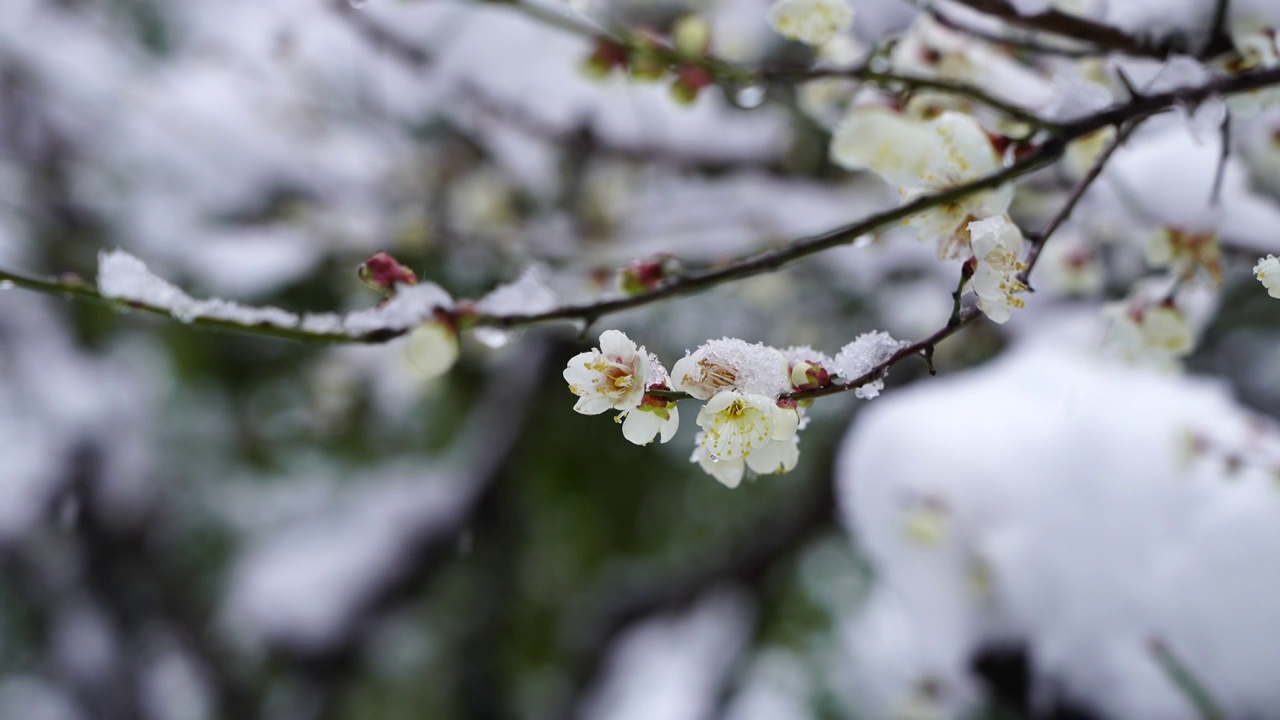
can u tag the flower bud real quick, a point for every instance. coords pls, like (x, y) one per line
(604, 58)
(641, 276)
(808, 376)
(383, 272)
(691, 35)
(690, 79)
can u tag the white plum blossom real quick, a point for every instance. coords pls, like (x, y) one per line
(864, 354)
(1185, 251)
(1268, 272)
(922, 157)
(812, 22)
(741, 431)
(732, 364)
(735, 424)
(1149, 333)
(777, 456)
(611, 377)
(996, 244)
(1071, 266)
(1256, 42)
(654, 417)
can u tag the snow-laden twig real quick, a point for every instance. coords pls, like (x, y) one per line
(696, 281)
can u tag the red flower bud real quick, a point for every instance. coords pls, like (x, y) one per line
(383, 272)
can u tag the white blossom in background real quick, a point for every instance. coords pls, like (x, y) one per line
(923, 157)
(812, 22)
(1143, 332)
(731, 364)
(431, 349)
(1268, 272)
(865, 353)
(1185, 252)
(1070, 265)
(996, 244)
(610, 377)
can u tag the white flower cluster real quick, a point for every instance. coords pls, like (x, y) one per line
(750, 419)
(615, 377)
(924, 157)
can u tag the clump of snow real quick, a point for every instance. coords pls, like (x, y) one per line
(732, 364)
(528, 295)
(1073, 517)
(122, 276)
(673, 667)
(864, 354)
(409, 307)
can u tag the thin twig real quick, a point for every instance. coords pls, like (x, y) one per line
(1186, 681)
(1074, 27)
(748, 266)
(910, 82)
(1224, 131)
(1077, 193)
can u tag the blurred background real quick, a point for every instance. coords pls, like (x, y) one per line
(209, 525)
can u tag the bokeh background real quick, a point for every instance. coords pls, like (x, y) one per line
(212, 525)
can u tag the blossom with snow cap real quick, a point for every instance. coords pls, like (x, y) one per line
(1268, 272)
(611, 377)
(731, 364)
(996, 243)
(922, 157)
(812, 22)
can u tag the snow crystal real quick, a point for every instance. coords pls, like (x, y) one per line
(526, 296)
(861, 356)
(122, 276)
(411, 306)
(751, 368)
(125, 277)
(804, 353)
(1083, 562)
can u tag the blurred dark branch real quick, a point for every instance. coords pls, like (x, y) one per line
(1077, 193)
(1073, 27)
(489, 441)
(1027, 43)
(590, 631)
(382, 38)
(583, 138)
(891, 80)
